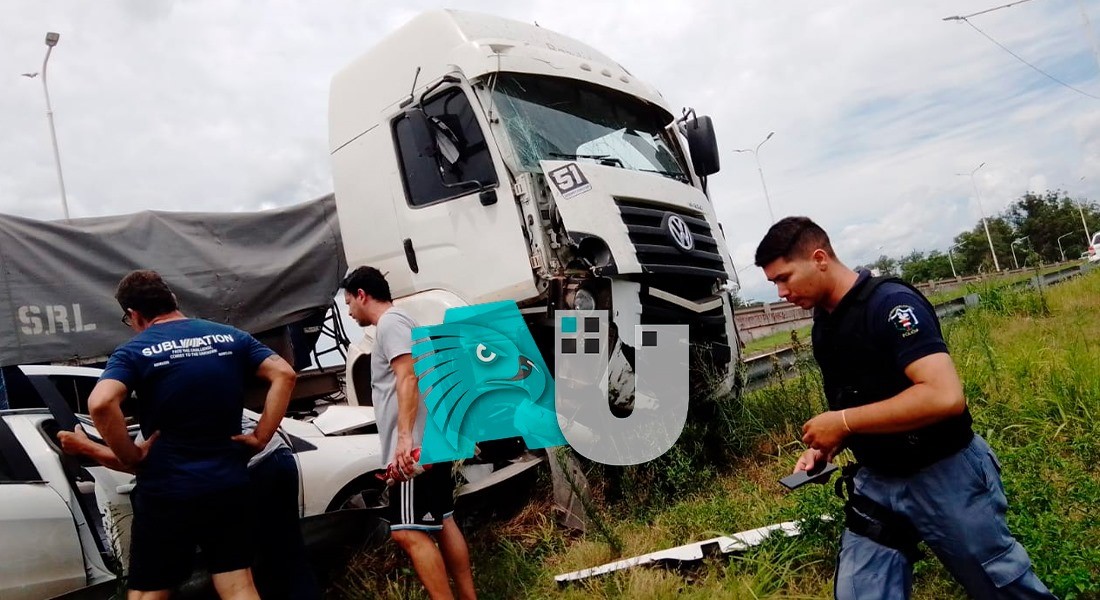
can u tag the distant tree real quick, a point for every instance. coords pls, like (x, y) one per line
(885, 265)
(973, 247)
(918, 267)
(1044, 218)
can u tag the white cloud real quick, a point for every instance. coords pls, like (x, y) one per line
(221, 105)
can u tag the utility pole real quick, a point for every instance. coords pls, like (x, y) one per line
(981, 209)
(51, 41)
(759, 169)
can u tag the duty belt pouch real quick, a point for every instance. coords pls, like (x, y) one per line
(874, 521)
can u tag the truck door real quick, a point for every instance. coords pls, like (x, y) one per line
(461, 228)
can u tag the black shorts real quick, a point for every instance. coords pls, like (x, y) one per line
(422, 502)
(166, 531)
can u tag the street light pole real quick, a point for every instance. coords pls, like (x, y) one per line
(951, 261)
(1060, 251)
(1081, 211)
(759, 169)
(51, 41)
(981, 209)
(1012, 247)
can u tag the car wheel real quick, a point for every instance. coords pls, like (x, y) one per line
(363, 492)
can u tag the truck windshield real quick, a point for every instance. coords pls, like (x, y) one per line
(549, 118)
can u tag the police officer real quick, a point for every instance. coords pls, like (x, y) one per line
(896, 401)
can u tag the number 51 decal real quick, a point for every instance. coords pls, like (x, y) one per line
(569, 180)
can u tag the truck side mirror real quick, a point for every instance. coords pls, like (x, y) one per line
(703, 145)
(421, 129)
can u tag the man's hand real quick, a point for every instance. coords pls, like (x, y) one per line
(825, 432)
(75, 442)
(254, 443)
(403, 456)
(143, 445)
(809, 460)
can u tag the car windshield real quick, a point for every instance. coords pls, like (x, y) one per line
(550, 118)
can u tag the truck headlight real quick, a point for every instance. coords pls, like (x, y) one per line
(584, 300)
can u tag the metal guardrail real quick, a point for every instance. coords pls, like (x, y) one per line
(759, 369)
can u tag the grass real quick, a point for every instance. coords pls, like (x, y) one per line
(775, 341)
(1031, 369)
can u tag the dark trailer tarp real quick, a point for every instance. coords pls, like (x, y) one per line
(257, 271)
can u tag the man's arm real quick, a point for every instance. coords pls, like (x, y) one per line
(281, 376)
(936, 394)
(105, 406)
(408, 404)
(77, 443)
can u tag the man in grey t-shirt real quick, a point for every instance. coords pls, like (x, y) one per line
(424, 506)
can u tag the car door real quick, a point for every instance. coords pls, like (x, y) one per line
(40, 551)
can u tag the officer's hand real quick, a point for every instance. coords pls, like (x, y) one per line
(825, 432)
(808, 460)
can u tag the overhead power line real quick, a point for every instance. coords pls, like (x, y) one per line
(982, 12)
(966, 19)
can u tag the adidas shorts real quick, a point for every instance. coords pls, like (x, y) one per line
(422, 502)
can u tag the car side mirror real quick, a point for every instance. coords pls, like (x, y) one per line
(703, 145)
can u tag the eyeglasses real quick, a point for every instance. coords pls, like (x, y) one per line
(126, 320)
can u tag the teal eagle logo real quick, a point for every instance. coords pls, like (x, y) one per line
(482, 378)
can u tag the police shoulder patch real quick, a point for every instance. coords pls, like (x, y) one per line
(904, 319)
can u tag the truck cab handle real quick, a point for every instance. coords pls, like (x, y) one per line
(410, 255)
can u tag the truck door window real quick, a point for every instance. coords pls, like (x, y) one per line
(462, 164)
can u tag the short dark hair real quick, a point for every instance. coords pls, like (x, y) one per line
(792, 237)
(146, 292)
(370, 280)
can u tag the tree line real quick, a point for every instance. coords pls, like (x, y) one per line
(1036, 223)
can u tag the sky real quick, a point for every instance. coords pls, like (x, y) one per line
(221, 105)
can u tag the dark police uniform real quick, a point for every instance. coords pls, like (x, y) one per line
(942, 479)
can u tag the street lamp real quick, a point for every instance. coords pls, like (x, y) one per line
(1081, 211)
(951, 260)
(51, 41)
(1012, 247)
(981, 209)
(759, 169)
(1060, 251)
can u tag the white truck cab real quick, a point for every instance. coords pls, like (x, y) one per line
(478, 159)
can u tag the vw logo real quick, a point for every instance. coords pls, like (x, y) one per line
(680, 233)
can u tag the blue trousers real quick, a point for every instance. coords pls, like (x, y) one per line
(958, 506)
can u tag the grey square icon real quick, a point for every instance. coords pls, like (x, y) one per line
(649, 338)
(592, 346)
(591, 324)
(568, 346)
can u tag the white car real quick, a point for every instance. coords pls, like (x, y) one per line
(1094, 248)
(64, 522)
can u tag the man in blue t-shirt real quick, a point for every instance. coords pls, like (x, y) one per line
(192, 481)
(897, 403)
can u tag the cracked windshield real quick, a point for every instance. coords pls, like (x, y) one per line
(557, 119)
